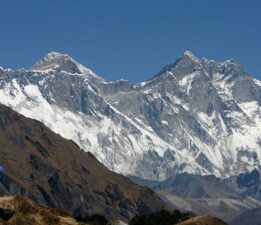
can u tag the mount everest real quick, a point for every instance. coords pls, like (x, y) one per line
(196, 115)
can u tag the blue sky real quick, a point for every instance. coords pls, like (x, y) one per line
(130, 39)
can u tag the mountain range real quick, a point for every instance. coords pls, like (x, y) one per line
(196, 116)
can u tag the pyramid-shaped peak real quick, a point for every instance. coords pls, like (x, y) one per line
(62, 62)
(57, 57)
(185, 59)
(189, 55)
(56, 61)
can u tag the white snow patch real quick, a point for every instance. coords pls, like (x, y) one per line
(164, 122)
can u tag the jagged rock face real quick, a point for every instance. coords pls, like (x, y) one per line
(53, 171)
(208, 111)
(246, 184)
(196, 115)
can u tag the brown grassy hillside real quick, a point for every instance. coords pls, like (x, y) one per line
(53, 171)
(203, 220)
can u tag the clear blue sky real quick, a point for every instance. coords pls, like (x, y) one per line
(130, 39)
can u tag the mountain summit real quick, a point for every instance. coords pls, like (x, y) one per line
(189, 55)
(57, 61)
(62, 62)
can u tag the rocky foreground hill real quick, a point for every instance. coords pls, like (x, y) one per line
(55, 172)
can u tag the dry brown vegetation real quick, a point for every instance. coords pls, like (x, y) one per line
(25, 213)
(203, 220)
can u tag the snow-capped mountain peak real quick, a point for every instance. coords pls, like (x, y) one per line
(190, 55)
(186, 64)
(62, 62)
(54, 60)
(232, 65)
